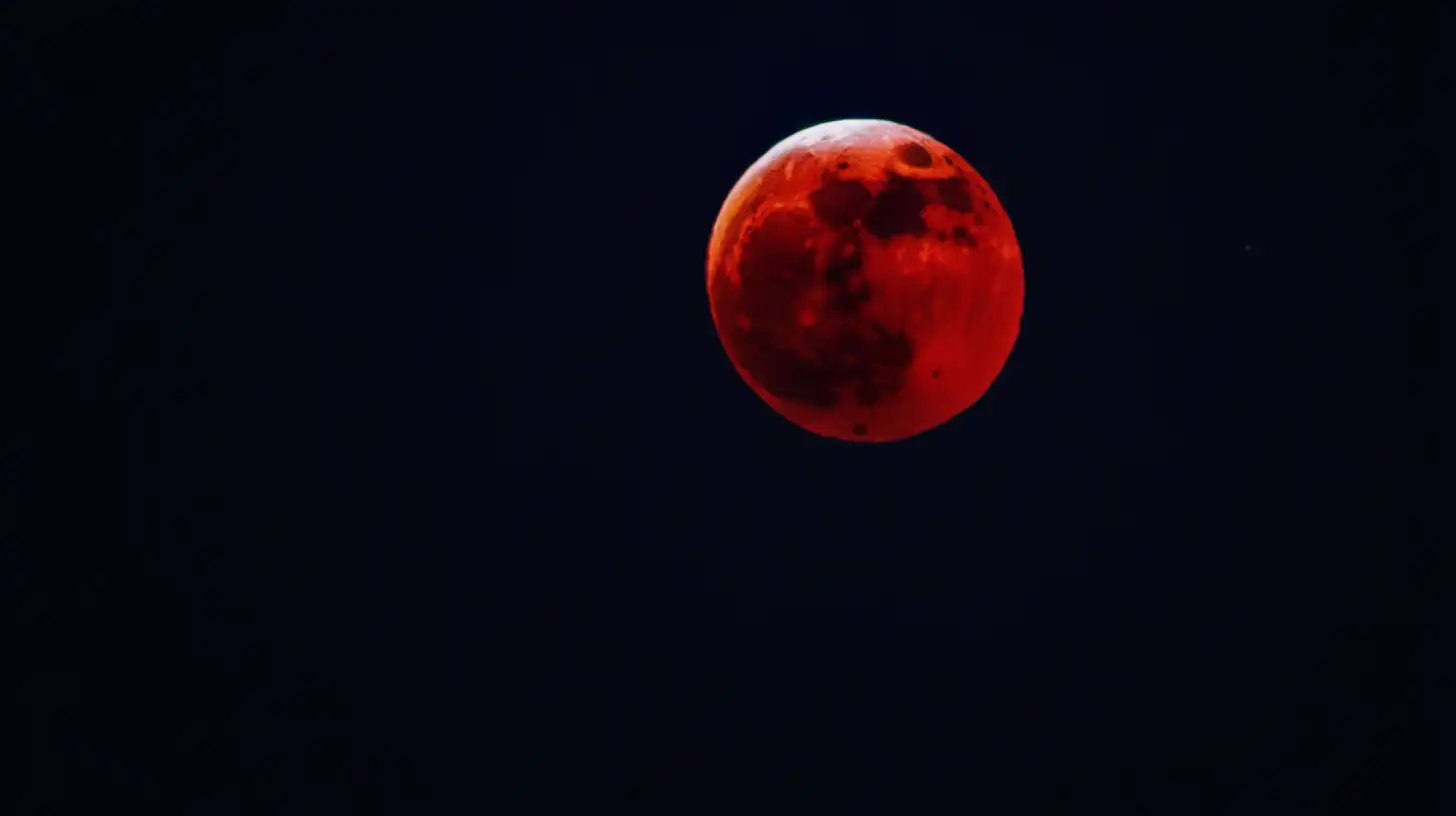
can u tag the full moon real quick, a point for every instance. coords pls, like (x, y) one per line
(865, 281)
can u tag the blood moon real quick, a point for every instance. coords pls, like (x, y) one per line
(865, 280)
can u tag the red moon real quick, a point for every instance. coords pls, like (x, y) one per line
(865, 281)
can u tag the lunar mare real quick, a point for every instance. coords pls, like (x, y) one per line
(865, 280)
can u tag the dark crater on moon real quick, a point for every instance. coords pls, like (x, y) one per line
(915, 155)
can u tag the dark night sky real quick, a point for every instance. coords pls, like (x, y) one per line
(479, 495)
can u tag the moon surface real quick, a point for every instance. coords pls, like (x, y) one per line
(865, 280)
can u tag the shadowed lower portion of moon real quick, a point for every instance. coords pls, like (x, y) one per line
(865, 281)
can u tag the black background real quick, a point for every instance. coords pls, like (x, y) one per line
(469, 492)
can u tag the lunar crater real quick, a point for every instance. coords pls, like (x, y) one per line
(915, 155)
